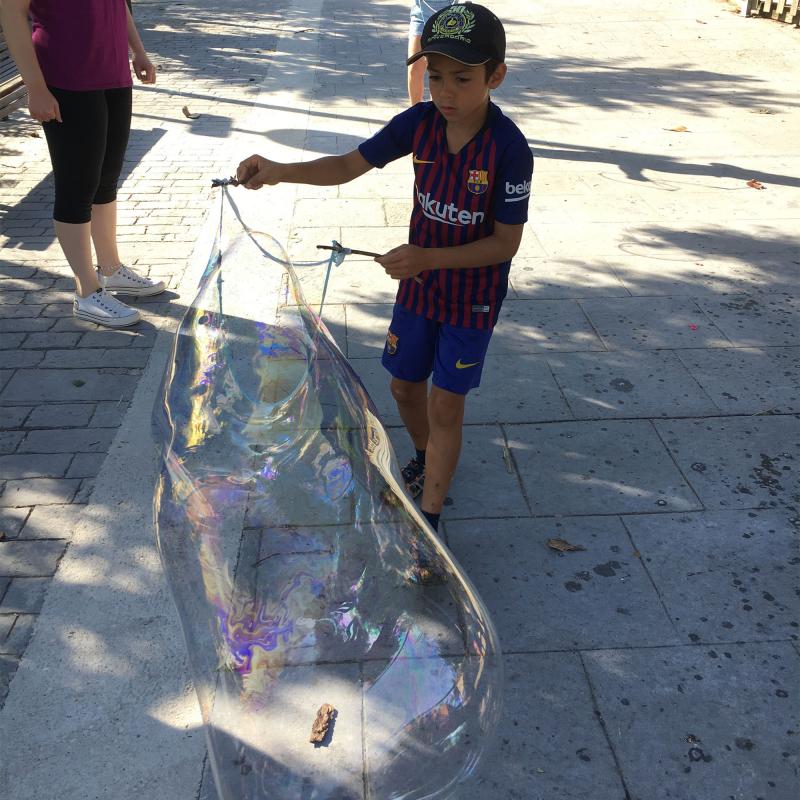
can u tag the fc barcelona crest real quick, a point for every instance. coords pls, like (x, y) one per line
(478, 181)
(391, 343)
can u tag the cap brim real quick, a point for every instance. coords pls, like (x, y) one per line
(453, 50)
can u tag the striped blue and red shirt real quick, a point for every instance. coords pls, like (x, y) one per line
(457, 199)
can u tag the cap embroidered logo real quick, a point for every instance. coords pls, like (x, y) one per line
(453, 23)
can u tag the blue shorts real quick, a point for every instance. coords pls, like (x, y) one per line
(422, 11)
(416, 347)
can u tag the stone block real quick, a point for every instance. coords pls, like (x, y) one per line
(645, 323)
(11, 521)
(531, 326)
(13, 359)
(545, 279)
(65, 385)
(34, 559)
(50, 339)
(629, 383)
(724, 575)
(684, 720)
(8, 668)
(86, 465)
(550, 744)
(34, 465)
(13, 416)
(609, 467)
(9, 441)
(17, 640)
(60, 415)
(24, 596)
(756, 321)
(36, 491)
(69, 440)
(748, 381)
(53, 521)
(541, 599)
(738, 462)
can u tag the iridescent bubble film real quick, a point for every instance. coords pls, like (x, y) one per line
(302, 572)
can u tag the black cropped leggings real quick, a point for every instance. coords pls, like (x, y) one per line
(87, 149)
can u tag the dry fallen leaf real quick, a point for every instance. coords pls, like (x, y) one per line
(319, 730)
(754, 184)
(189, 114)
(563, 546)
(678, 129)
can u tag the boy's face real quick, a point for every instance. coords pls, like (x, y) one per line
(460, 91)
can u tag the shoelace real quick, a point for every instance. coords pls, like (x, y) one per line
(131, 276)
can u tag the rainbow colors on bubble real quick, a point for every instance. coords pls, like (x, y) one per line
(300, 568)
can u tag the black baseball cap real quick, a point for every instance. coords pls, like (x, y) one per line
(466, 32)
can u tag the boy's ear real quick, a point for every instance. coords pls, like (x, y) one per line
(498, 76)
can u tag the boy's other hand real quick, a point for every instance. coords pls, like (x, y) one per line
(405, 261)
(257, 171)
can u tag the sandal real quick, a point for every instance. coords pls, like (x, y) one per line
(414, 476)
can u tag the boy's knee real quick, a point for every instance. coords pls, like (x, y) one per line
(405, 392)
(445, 409)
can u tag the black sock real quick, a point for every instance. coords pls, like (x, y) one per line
(432, 518)
(421, 457)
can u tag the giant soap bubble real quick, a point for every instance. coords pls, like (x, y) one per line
(302, 572)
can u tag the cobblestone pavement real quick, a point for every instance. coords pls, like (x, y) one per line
(65, 384)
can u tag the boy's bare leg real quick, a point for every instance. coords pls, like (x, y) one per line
(445, 418)
(412, 403)
(104, 236)
(416, 72)
(76, 242)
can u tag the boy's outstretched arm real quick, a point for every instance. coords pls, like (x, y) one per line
(409, 260)
(257, 171)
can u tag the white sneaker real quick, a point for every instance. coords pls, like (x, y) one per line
(126, 281)
(104, 309)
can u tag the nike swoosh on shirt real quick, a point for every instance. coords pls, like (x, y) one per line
(460, 365)
(420, 161)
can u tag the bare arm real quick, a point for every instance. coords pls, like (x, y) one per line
(142, 66)
(409, 260)
(14, 17)
(257, 171)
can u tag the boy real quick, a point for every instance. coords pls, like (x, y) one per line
(473, 170)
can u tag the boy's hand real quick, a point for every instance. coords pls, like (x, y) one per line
(257, 171)
(405, 261)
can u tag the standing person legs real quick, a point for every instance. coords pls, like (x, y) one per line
(104, 203)
(76, 151)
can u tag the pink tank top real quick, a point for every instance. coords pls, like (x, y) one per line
(82, 45)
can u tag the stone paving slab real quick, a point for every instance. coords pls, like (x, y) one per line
(551, 744)
(36, 386)
(748, 381)
(755, 321)
(738, 462)
(532, 326)
(540, 279)
(648, 323)
(618, 467)
(723, 576)
(721, 716)
(629, 384)
(544, 600)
